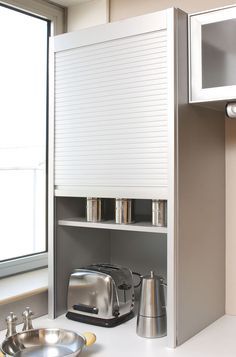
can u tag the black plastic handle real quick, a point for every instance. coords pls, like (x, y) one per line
(106, 266)
(140, 279)
(86, 308)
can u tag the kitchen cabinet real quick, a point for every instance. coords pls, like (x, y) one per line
(122, 127)
(212, 55)
(111, 102)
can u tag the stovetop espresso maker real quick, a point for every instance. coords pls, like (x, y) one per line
(151, 321)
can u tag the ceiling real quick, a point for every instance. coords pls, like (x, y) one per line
(69, 2)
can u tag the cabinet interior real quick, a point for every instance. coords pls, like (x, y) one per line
(218, 54)
(75, 207)
(80, 246)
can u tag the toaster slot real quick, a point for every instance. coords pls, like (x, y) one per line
(86, 308)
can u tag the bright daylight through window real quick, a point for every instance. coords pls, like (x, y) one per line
(23, 133)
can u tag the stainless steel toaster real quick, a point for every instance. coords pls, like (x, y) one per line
(101, 294)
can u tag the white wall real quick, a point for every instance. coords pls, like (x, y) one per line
(86, 14)
(120, 9)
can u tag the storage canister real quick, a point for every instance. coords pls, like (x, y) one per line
(159, 213)
(123, 210)
(94, 209)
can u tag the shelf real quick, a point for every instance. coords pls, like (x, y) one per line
(138, 227)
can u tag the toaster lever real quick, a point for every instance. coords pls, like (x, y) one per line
(124, 287)
(86, 308)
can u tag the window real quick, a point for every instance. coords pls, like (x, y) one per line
(24, 40)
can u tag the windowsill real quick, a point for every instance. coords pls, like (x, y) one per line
(24, 285)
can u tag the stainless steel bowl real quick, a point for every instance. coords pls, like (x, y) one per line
(46, 342)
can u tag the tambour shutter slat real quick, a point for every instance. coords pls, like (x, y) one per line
(111, 125)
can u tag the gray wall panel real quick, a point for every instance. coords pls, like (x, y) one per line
(201, 209)
(139, 251)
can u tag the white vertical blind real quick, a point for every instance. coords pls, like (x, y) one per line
(111, 113)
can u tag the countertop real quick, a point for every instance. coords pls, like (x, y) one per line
(217, 340)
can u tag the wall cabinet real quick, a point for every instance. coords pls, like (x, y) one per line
(122, 128)
(111, 102)
(213, 55)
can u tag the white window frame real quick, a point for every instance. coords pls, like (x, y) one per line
(23, 264)
(56, 14)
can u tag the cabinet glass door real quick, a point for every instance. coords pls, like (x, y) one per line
(213, 55)
(218, 54)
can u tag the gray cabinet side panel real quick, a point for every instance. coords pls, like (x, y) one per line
(201, 209)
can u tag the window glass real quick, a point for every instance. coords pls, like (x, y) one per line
(23, 133)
